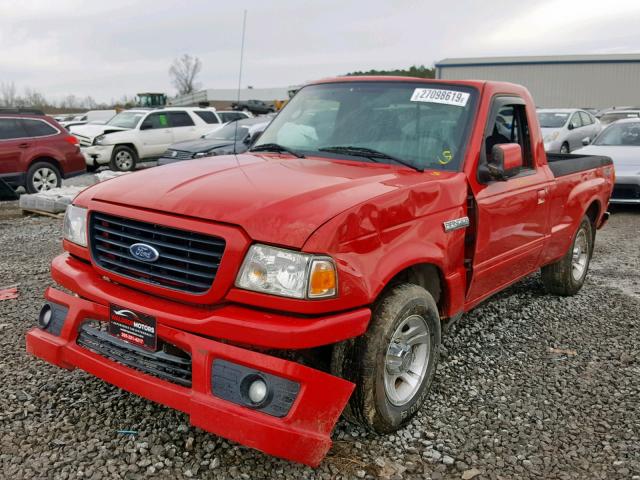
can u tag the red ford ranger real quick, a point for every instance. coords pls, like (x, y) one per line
(263, 293)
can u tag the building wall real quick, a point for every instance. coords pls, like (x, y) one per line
(596, 85)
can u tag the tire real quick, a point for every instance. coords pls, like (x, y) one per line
(123, 159)
(564, 149)
(566, 276)
(384, 401)
(42, 176)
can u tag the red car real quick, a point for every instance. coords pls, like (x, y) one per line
(35, 151)
(262, 292)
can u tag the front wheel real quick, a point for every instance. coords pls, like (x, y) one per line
(123, 159)
(394, 362)
(567, 275)
(564, 149)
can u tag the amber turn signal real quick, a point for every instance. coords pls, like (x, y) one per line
(322, 279)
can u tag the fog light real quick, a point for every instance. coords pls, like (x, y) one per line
(258, 391)
(44, 319)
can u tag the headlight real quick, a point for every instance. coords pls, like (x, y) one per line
(287, 273)
(98, 140)
(204, 154)
(551, 137)
(75, 225)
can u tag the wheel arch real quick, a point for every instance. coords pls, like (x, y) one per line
(425, 274)
(47, 159)
(132, 146)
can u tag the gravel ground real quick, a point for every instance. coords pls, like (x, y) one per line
(529, 386)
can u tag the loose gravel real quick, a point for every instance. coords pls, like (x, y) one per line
(529, 386)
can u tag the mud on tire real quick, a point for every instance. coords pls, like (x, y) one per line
(566, 276)
(364, 360)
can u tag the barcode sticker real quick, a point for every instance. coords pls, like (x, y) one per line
(437, 95)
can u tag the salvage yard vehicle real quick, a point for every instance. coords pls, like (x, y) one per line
(621, 142)
(565, 129)
(260, 293)
(35, 151)
(234, 137)
(618, 114)
(257, 107)
(92, 116)
(140, 134)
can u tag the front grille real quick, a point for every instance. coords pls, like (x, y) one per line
(84, 141)
(188, 261)
(178, 154)
(168, 363)
(626, 192)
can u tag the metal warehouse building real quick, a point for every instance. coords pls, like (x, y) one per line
(595, 81)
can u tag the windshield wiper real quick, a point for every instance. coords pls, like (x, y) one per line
(369, 153)
(275, 147)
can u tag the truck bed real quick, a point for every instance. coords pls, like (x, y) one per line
(566, 164)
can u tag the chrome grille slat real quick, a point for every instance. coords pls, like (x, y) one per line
(188, 261)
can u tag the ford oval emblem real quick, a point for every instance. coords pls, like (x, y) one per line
(144, 252)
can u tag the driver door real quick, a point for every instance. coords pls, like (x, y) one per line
(155, 134)
(511, 215)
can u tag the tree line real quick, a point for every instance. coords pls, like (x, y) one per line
(414, 71)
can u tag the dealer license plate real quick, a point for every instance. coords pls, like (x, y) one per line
(133, 327)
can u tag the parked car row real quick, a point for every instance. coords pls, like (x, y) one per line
(565, 129)
(144, 134)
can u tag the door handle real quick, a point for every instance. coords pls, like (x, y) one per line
(542, 196)
(24, 145)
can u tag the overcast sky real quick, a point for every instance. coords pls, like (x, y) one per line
(109, 48)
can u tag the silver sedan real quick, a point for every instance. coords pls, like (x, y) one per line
(621, 141)
(565, 129)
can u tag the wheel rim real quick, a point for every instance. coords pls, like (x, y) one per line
(44, 179)
(124, 160)
(564, 149)
(407, 359)
(580, 255)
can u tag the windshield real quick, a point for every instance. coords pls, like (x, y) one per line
(126, 119)
(552, 119)
(421, 124)
(627, 134)
(612, 117)
(228, 132)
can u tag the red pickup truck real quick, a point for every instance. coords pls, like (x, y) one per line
(261, 293)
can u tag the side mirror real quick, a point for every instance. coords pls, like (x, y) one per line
(506, 159)
(586, 141)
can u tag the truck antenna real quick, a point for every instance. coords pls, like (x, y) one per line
(244, 26)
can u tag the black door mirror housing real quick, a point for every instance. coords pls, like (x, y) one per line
(506, 160)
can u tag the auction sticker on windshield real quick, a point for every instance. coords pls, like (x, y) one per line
(437, 95)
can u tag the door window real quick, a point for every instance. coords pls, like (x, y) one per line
(586, 118)
(208, 117)
(38, 128)
(511, 126)
(155, 120)
(11, 128)
(180, 119)
(575, 121)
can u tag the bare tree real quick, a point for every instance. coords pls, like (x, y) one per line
(183, 73)
(8, 94)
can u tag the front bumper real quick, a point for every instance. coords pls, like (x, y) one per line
(302, 435)
(97, 154)
(626, 190)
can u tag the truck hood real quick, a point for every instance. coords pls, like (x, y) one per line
(626, 159)
(93, 130)
(274, 198)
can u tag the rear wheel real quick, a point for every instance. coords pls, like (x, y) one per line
(394, 362)
(42, 176)
(123, 159)
(567, 275)
(565, 148)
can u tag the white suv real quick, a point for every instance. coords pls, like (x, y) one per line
(139, 134)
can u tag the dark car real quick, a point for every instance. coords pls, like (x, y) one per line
(257, 107)
(218, 142)
(36, 152)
